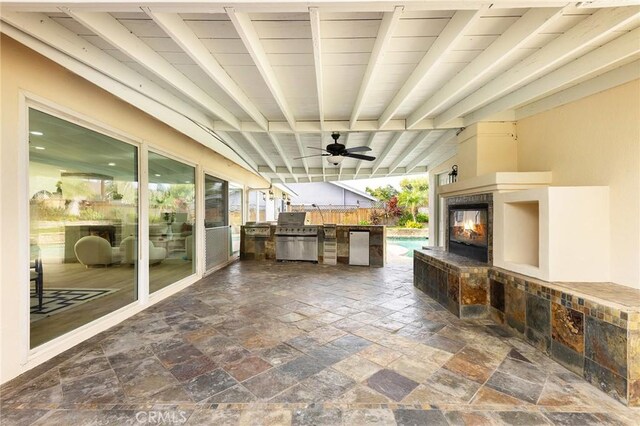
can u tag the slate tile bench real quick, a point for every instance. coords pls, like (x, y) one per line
(593, 329)
(459, 284)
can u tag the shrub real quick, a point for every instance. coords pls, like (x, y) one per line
(392, 209)
(422, 218)
(364, 223)
(90, 214)
(375, 217)
(406, 216)
(412, 224)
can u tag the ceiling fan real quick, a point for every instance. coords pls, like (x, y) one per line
(336, 152)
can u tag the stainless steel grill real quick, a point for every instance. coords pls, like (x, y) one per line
(302, 231)
(294, 239)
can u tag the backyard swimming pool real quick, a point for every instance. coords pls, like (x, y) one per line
(410, 244)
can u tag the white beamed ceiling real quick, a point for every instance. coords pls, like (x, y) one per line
(255, 72)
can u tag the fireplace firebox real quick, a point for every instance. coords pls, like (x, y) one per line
(469, 231)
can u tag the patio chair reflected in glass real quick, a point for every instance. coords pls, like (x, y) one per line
(36, 273)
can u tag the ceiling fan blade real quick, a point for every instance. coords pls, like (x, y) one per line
(313, 155)
(359, 149)
(321, 149)
(360, 156)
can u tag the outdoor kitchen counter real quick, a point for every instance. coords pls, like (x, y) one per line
(263, 247)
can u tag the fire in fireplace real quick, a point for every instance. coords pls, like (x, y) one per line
(468, 231)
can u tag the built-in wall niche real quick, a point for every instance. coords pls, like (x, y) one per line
(553, 233)
(522, 226)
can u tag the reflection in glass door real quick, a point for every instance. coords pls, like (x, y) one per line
(253, 206)
(216, 222)
(235, 217)
(83, 210)
(172, 209)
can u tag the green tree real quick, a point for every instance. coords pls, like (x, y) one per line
(383, 193)
(414, 193)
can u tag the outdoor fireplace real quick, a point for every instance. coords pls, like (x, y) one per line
(469, 231)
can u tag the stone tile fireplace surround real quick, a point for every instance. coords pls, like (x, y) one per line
(593, 329)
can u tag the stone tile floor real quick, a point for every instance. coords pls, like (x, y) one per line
(304, 344)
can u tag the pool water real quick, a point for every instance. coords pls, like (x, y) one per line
(409, 243)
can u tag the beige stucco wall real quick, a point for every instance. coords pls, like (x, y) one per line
(23, 70)
(595, 141)
(485, 148)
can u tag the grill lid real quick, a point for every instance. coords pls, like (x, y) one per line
(292, 219)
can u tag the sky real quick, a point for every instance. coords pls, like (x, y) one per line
(362, 184)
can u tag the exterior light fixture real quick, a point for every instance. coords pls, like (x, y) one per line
(271, 195)
(453, 174)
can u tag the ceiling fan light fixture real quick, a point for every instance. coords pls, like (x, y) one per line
(335, 159)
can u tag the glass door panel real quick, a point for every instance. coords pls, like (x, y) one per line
(217, 233)
(83, 210)
(253, 206)
(235, 217)
(172, 209)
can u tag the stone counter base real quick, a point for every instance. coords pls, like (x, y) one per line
(264, 248)
(597, 340)
(464, 291)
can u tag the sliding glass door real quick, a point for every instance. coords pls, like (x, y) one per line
(216, 222)
(257, 206)
(235, 216)
(172, 210)
(83, 210)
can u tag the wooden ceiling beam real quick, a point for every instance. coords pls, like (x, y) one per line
(430, 150)
(448, 38)
(623, 48)
(316, 40)
(283, 155)
(345, 142)
(387, 149)
(252, 43)
(417, 140)
(40, 33)
(339, 126)
(349, 173)
(385, 33)
(372, 136)
(297, 6)
(302, 152)
(510, 42)
(322, 138)
(602, 82)
(173, 25)
(116, 34)
(259, 149)
(581, 37)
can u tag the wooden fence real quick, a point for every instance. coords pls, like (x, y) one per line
(340, 215)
